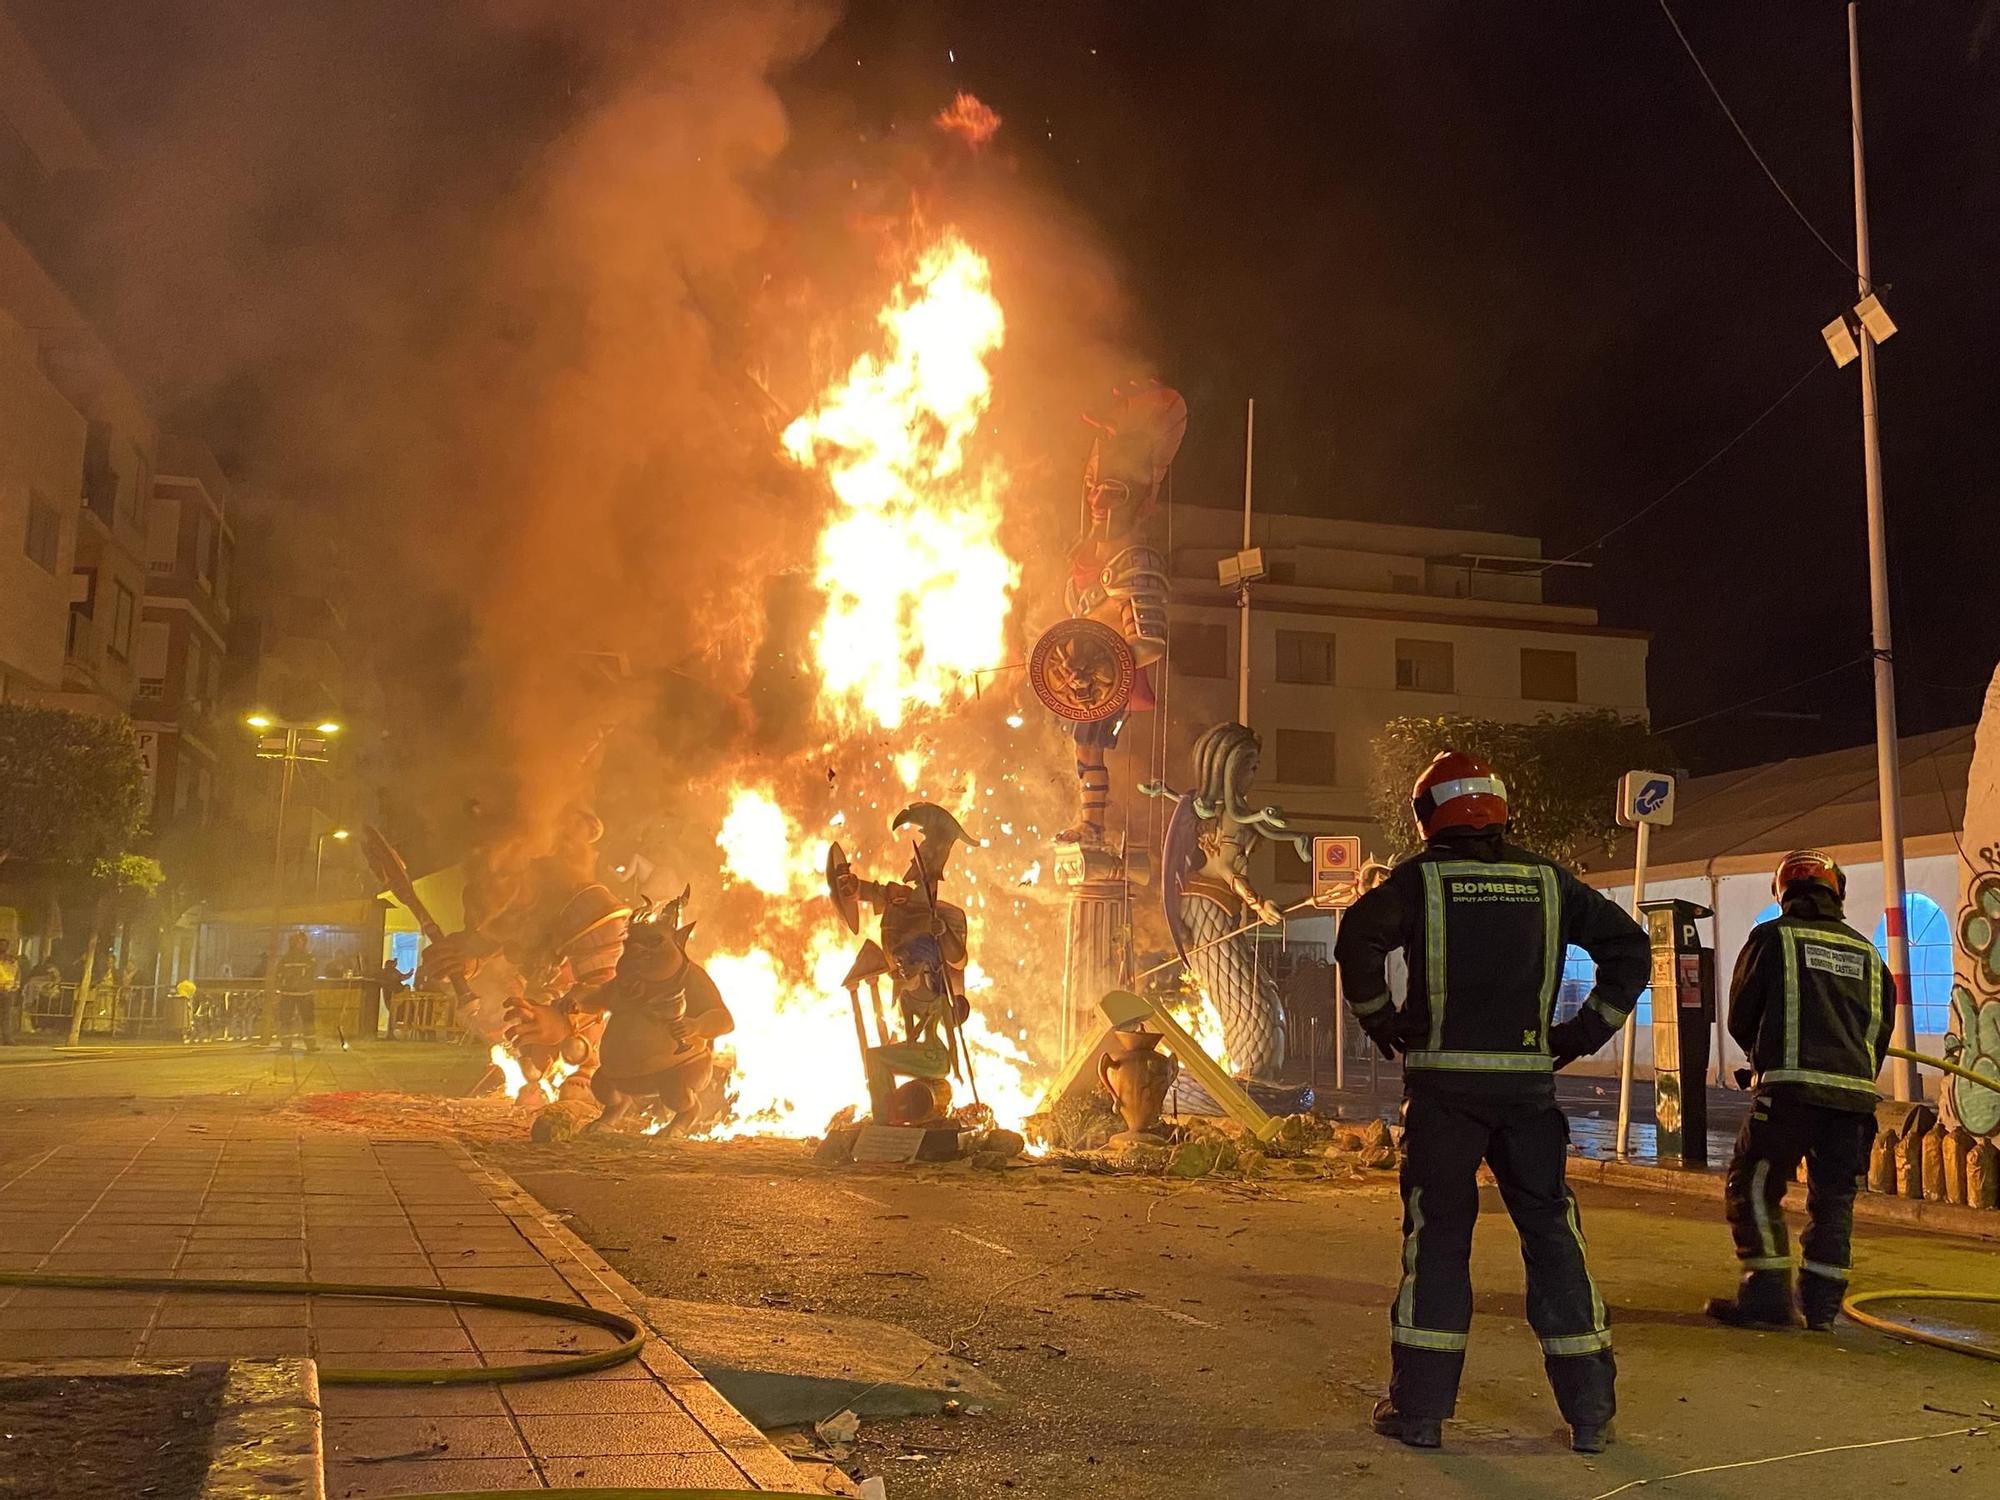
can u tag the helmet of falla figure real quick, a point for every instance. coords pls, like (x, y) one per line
(940, 832)
(1457, 790)
(1809, 866)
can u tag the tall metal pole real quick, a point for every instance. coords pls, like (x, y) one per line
(278, 867)
(1888, 764)
(1631, 1041)
(1243, 588)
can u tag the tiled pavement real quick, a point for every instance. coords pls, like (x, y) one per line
(232, 1195)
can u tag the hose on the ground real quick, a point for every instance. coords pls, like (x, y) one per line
(632, 1336)
(632, 1340)
(1856, 1301)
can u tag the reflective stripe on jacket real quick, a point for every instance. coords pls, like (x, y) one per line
(1484, 926)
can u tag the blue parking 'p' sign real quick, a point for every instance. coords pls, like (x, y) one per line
(1646, 797)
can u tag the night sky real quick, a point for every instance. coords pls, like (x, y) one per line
(1503, 266)
(1508, 266)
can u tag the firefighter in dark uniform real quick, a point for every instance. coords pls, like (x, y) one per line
(1812, 1008)
(1484, 926)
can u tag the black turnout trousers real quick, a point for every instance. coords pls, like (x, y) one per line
(1779, 1133)
(1526, 1143)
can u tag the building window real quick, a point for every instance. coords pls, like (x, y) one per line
(1305, 656)
(1199, 650)
(1930, 962)
(1305, 758)
(122, 603)
(1579, 976)
(100, 479)
(1548, 676)
(44, 539)
(1424, 666)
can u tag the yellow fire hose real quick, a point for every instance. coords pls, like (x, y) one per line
(1856, 1301)
(632, 1340)
(632, 1335)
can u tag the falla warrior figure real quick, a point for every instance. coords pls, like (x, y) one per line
(1207, 894)
(540, 943)
(658, 1053)
(1117, 577)
(923, 936)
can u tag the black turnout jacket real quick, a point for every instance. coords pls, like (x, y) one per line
(1484, 925)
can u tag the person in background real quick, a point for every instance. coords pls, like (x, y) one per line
(395, 995)
(1812, 1007)
(10, 990)
(40, 994)
(181, 1002)
(295, 975)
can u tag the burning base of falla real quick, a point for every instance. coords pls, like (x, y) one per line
(918, 596)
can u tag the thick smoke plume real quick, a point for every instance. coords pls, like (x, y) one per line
(499, 308)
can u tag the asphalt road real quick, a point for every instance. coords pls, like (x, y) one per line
(1247, 1335)
(1210, 1341)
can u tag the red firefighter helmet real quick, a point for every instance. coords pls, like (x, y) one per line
(1814, 865)
(1458, 791)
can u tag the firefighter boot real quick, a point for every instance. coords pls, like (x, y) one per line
(1590, 1439)
(1819, 1300)
(1763, 1300)
(1417, 1432)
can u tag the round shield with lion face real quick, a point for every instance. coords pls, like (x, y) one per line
(1082, 670)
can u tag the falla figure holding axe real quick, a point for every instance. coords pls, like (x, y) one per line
(923, 937)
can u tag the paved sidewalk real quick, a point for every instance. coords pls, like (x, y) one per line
(229, 1193)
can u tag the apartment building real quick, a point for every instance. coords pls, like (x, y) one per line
(77, 471)
(183, 637)
(1356, 623)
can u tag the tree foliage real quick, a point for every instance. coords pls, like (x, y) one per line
(129, 872)
(1561, 773)
(72, 787)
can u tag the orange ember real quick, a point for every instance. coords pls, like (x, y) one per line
(969, 119)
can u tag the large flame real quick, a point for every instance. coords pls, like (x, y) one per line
(917, 592)
(917, 584)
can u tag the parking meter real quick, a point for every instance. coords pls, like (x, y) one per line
(1683, 1020)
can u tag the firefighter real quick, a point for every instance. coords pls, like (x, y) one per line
(1811, 1008)
(1483, 925)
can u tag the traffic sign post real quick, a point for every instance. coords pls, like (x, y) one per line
(1336, 871)
(1645, 799)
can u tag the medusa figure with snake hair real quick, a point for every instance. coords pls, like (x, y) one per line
(1208, 896)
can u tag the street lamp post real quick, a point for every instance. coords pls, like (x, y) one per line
(319, 854)
(288, 741)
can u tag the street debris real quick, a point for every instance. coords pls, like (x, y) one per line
(840, 1428)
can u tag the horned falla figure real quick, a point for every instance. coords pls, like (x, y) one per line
(1208, 896)
(658, 1053)
(542, 937)
(1092, 668)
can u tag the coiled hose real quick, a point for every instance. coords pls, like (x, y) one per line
(631, 1335)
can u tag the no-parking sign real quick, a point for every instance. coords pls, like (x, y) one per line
(1336, 870)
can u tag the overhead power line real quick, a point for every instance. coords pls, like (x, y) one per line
(1748, 145)
(1765, 697)
(1699, 469)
